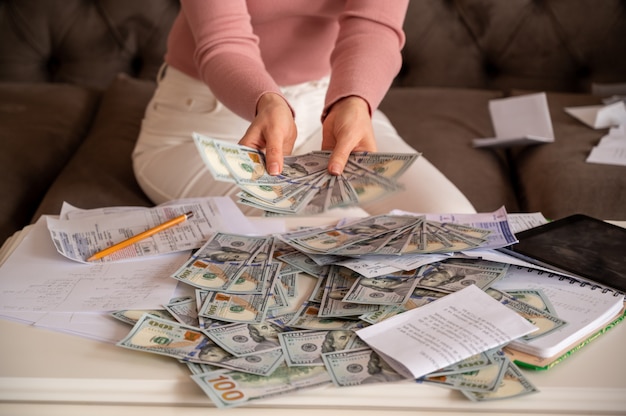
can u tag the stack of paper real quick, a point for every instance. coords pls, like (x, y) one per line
(51, 286)
(611, 150)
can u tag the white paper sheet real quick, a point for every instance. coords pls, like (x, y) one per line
(611, 150)
(496, 142)
(40, 287)
(36, 278)
(443, 332)
(379, 265)
(98, 326)
(525, 220)
(85, 232)
(520, 120)
(608, 156)
(599, 116)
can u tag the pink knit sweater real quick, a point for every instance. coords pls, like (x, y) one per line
(243, 49)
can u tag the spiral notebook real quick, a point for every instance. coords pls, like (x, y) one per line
(588, 309)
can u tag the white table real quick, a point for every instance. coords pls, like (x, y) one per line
(44, 372)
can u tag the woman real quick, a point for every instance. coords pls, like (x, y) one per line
(285, 77)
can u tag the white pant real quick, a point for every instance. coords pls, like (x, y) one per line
(168, 166)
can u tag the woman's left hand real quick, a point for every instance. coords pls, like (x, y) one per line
(347, 128)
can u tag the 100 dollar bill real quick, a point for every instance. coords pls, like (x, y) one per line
(232, 388)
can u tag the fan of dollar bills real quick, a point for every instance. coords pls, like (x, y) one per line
(277, 314)
(304, 187)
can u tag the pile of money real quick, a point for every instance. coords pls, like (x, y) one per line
(304, 187)
(276, 314)
(390, 235)
(486, 376)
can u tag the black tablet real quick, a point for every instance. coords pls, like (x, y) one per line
(578, 245)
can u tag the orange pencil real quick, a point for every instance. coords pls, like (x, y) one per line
(140, 236)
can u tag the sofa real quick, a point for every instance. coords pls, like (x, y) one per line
(76, 76)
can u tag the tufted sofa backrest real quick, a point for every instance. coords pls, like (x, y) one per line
(558, 45)
(84, 42)
(552, 45)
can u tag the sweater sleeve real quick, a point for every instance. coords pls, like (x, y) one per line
(367, 57)
(227, 53)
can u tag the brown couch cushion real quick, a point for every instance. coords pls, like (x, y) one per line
(441, 124)
(555, 178)
(100, 173)
(42, 126)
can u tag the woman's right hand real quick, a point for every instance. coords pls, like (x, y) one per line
(272, 130)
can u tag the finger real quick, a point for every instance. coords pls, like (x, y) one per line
(338, 159)
(274, 157)
(253, 138)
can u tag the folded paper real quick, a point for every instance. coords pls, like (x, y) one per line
(521, 120)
